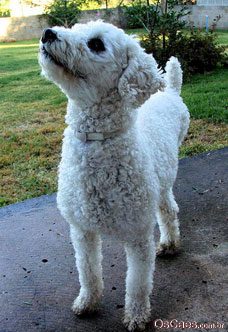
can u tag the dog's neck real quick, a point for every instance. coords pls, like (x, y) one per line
(106, 115)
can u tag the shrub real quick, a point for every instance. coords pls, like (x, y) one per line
(163, 23)
(155, 17)
(63, 12)
(135, 15)
(200, 53)
(4, 12)
(197, 52)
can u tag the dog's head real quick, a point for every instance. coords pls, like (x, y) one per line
(96, 57)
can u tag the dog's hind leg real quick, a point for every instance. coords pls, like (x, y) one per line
(88, 255)
(139, 282)
(168, 225)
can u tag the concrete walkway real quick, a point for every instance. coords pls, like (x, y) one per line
(38, 278)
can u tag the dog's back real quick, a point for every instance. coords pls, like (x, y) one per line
(162, 124)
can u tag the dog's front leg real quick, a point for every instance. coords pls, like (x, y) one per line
(139, 281)
(88, 255)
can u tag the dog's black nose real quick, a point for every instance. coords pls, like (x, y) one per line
(49, 35)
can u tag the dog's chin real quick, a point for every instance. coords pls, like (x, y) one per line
(54, 61)
(48, 56)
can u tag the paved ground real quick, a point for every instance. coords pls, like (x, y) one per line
(38, 279)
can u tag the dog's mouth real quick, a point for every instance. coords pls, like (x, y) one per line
(51, 57)
(59, 63)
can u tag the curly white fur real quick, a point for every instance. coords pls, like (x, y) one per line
(120, 186)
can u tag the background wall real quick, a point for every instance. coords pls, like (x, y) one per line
(198, 16)
(27, 27)
(20, 28)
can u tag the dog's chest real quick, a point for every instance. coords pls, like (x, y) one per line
(106, 182)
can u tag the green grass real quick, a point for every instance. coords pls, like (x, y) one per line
(139, 32)
(207, 96)
(222, 37)
(207, 99)
(32, 121)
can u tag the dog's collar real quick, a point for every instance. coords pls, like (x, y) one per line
(88, 136)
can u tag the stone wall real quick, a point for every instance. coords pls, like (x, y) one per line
(112, 15)
(28, 27)
(20, 28)
(199, 13)
(212, 2)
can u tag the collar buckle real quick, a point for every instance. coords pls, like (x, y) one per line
(88, 136)
(85, 137)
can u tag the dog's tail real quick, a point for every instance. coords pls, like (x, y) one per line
(173, 75)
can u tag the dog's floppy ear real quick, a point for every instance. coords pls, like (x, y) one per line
(141, 78)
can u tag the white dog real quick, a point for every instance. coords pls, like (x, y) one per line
(119, 155)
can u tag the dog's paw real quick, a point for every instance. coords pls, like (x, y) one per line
(136, 323)
(82, 305)
(134, 326)
(169, 249)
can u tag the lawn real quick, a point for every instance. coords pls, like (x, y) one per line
(32, 117)
(32, 121)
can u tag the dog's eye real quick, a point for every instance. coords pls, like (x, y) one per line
(96, 45)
